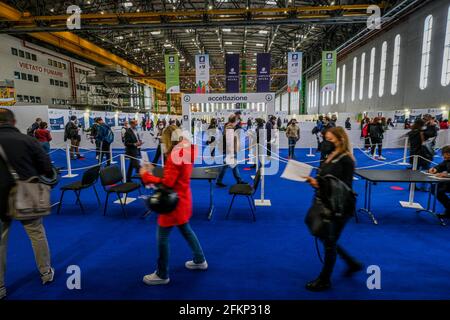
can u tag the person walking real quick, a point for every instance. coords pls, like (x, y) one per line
(376, 137)
(180, 155)
(212, 135)
(340, 165)
(293, 135)
(133, 144)
(71, 133)
(43, 136)
(270, 126)
(105, 137)
(26, 156)
(160, 129)
(230, 148)
(416, 148)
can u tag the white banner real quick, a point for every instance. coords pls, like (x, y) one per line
(58, 119)
(202, 73)
(294, 76)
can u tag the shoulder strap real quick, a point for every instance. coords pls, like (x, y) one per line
(8, 165)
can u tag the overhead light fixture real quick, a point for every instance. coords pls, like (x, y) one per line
(138, 10)
(210, 7)
(259, 45)
(263, 31)
(102, 12)
(226, 30)
(155, 33)
(52, 10)
(167, 45)
(127, 4)
(228, 43)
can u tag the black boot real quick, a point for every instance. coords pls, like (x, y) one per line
(318, 285)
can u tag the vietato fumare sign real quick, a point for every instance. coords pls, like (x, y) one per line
(40, 69)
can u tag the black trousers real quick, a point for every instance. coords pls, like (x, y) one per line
(375, 143)
(157, 154)
(333, 249)
(105, 152)
(134, 164)
(442, 197)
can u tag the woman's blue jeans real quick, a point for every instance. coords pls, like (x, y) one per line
(163, 247)
(292, 142)
(46, 146)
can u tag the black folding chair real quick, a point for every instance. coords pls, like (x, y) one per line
(246, 190)
(88, 180)
(111, 179)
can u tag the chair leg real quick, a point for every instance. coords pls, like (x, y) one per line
(98, 198)
(77, 193)
(126, 197)
(106, 203)
(253, 203)
(229, 209)
(251, 206)
(60, 201)
(121, 204)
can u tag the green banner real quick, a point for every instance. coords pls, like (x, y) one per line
(172, 66)
(328, 79)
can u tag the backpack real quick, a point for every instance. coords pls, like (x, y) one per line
(107, 136)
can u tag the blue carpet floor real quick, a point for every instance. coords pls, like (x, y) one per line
(268, 259)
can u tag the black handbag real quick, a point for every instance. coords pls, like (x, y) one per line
(163, 201)
(318, 219)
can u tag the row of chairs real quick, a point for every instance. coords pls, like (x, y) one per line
(111, 180)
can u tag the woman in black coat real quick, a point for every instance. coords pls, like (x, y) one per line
(376, 132)
(341, 165)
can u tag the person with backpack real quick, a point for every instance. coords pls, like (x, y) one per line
(31, 130)
(27, 158)
(71, 133)
(376, 132)
(105, 137)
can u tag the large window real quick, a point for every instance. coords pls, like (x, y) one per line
(355, 67)
(426, 50)
(344, 71)
(446, 62)
(382, 69)
(396, 65)
(361, 80)
(372, 71)
(316, 93)
(338, 82)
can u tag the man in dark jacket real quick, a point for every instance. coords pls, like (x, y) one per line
(443, 170)
(28, 159)
(133, 144)
(270, 125)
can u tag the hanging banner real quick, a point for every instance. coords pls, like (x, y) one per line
(80, 117)
(232, 72)
(110, 119)
(122, 118)
(263, 72)
(58, 119)
(202, 73)
(437, 113)
(417, 114)
(95, 114)
(328, 78)
(172, 66)
(294, 76)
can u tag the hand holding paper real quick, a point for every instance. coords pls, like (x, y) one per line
(297, 171)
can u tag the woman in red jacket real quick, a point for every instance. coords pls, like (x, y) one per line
(43, 135)
(180, 155)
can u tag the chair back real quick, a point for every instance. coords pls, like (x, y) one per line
(90, 176)
(256, 180)
(110, 175)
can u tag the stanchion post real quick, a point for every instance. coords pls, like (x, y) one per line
(311, 154)
(405, 153)
(123, 168)
(410, 203)
(111, 155)
(263, 202)
(69, 164)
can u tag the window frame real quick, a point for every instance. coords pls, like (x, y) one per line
(426, 52)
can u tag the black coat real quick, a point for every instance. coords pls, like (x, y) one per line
(25, 155)
(130, 141)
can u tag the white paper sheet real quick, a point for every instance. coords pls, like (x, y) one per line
(297, 171)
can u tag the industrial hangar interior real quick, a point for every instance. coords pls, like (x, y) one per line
(224, 150)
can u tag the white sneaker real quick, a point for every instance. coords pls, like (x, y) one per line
(381, 158)
(2, 293)
(48, 276)
(374, 157)
(153, 280)
(196, 266)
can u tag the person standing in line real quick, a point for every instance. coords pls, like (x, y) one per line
(143, 124)
(293, 135)
(105, 138)
(180, 155)
(270, 126)
(348, 124)
(212, 134)
(230, 148)
(341, 165)
(123, 130)
(365, 134)
(92, 135)
(376, 137)
(28, 159)
(72, 134)
(43, 136)
(160, 129)
(416, 148)
(133, 144)
(389, 123)
(31, 130)
(249, 123)
(443, 170)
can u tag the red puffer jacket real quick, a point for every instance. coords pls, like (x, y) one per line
(177, 175)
